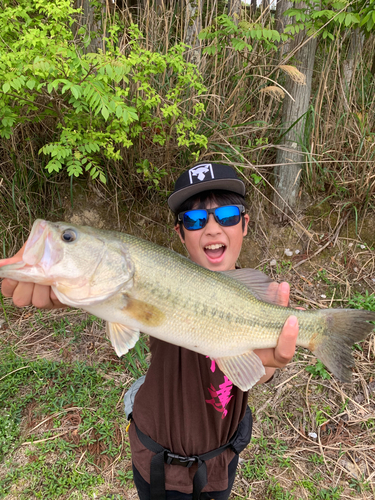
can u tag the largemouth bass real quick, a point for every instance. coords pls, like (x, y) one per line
(138, 286)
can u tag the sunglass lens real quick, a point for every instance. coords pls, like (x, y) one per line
(195, 219)
(228, 216)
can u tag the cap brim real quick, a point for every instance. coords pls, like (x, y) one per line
(234, 185)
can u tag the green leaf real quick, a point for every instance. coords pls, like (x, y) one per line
(6, 87)
(118, 112)
(238, 44)
(66, 87)
(105, 112)
(76, 91)
(30, 84)
(211, 50)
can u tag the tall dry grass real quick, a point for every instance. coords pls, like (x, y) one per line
(242, 121)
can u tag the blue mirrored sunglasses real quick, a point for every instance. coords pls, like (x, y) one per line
(226, 216)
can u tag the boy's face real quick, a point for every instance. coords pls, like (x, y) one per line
(215, 247)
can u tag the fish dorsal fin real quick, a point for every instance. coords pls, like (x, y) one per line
(122, 337)
(258, 283)
(244, 370)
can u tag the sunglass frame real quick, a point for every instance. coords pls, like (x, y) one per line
(180, 216)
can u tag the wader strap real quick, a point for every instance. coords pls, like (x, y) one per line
(163, 455)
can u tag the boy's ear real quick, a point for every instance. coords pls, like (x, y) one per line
(247, 218)
(177, 228)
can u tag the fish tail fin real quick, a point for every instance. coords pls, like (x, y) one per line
(344, 327)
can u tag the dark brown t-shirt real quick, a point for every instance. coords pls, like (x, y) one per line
(189, 406)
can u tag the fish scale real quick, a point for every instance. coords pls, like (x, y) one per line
(137, 286)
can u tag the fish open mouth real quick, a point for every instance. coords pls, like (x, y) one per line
(215, 251)
(27, 268)
(35, 245)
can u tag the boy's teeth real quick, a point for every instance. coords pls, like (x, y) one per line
(214, 247)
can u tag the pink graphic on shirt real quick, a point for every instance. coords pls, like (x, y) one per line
(213, 366)
(221, 398)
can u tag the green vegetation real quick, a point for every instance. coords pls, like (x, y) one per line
(276, 492)
(333, 493)
(90, 98)
(65, 419)
(120, 102)
(360, 301)
(268, 453)
(318, 370)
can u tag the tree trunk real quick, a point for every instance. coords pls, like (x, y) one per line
(265, 4)
(94, 23)
(353, 56)
(253, 6)
(289, 158)
(234, 10)
(282, 21)
(373, 65)
(193, 25)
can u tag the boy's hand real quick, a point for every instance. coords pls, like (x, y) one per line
(25, 294)
(280, 356)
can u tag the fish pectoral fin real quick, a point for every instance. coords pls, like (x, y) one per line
(244, 370)
(122, 337)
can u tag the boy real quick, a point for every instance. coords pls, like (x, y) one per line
(186, 406)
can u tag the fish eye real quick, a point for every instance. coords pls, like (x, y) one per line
(68, 235)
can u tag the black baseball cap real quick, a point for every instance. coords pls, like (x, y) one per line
(205, 177)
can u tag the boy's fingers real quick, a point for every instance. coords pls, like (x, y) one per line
(22, 294)
(286, 344)
(283, 293)
(8, 286)
(16, 257)
(41, 297)
(55, 301)
(280, 356)
(44, 298)
(278, 293)
(26, 294)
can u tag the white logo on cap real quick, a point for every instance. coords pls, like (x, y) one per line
(199, 172)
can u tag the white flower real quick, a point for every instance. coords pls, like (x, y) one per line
(313, 435)
(350, 244)
(273, 262)
(297, 252)
(362, 246)
(356, 269)
(288, 252)
(323, 296)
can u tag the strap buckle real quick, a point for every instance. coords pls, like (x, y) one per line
(174, 459)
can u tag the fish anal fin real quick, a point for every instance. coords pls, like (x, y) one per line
(122, 337)
(244, 370)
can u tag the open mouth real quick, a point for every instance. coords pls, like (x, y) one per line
(215, 251)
